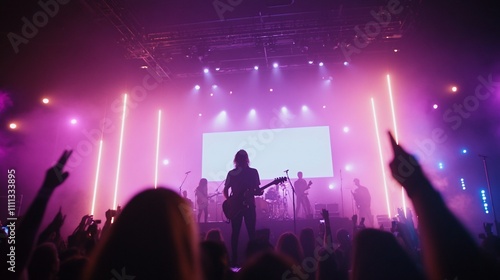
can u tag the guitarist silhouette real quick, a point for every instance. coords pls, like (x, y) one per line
(301, 186)
(244, 183)
(201, 193)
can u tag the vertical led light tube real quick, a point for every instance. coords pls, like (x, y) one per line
(96, 182)
(396, 136)
(381, 158)
(157, 149)
(120, 150)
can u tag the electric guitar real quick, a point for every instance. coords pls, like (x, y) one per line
(234, 204)
(305, 192)
(202, 200)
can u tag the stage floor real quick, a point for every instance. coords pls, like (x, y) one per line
(276, 227)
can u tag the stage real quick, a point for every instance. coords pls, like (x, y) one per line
(276, 227)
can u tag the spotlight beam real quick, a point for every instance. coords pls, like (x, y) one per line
(381, 158)
(96, 182)
(120, 150)
(157, 149)
(389, 86)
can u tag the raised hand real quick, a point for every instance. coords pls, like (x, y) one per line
(362, 223)
(58, 221)
(354, 219)
(55, 175)
(110, 213)
(326, 217)
(401, 215)
(325, 214)
(405, 168)
(328, 238)
(86, 219)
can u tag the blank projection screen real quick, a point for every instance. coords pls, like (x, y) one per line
(271, 151)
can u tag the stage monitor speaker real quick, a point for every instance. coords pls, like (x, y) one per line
(383, 220)
(333, 209)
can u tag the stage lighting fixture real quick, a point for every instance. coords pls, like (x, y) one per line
(462, 182)
(331, 186)
(256, 67)
(464, 151)
(165, 162)
(346, 129)
(485, 205)
(346, 63)
(45, 101)
(284, 109)
(275, 65)
(221, 118)
(324, 106)
(214, 86)
(454, 89)
(440, 165)
(200, 114)
(197, 87)
(217, 69)
(252, 112)
(396, 50)
(205, 70)
(73, 121)
(348, 167)
(435, 106)
(230, 92)
(321, 64)
(310, 62)
(304, 108)
(12, 126)
(270, 90)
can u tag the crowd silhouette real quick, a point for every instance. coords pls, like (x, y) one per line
(156, 236)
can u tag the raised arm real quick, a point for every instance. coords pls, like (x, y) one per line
(448, 250)
(53, 228)
(328, 238)
(30, 223)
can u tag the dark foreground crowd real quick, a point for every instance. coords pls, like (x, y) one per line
(155, 236)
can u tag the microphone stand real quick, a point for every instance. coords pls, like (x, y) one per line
(489, 191)
(341, 194)
(185, 177)
(216, 199)
(293, 203)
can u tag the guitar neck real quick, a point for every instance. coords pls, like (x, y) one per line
(266, 186)
(274, 182)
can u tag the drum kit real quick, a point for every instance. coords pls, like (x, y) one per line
(274, 204)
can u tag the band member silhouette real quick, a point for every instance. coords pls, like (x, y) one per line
(185, 195)
(301, 186)
(362, 198)
(201, 193)
(244, 182)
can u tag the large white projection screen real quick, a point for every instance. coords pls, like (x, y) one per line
(271, 151)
